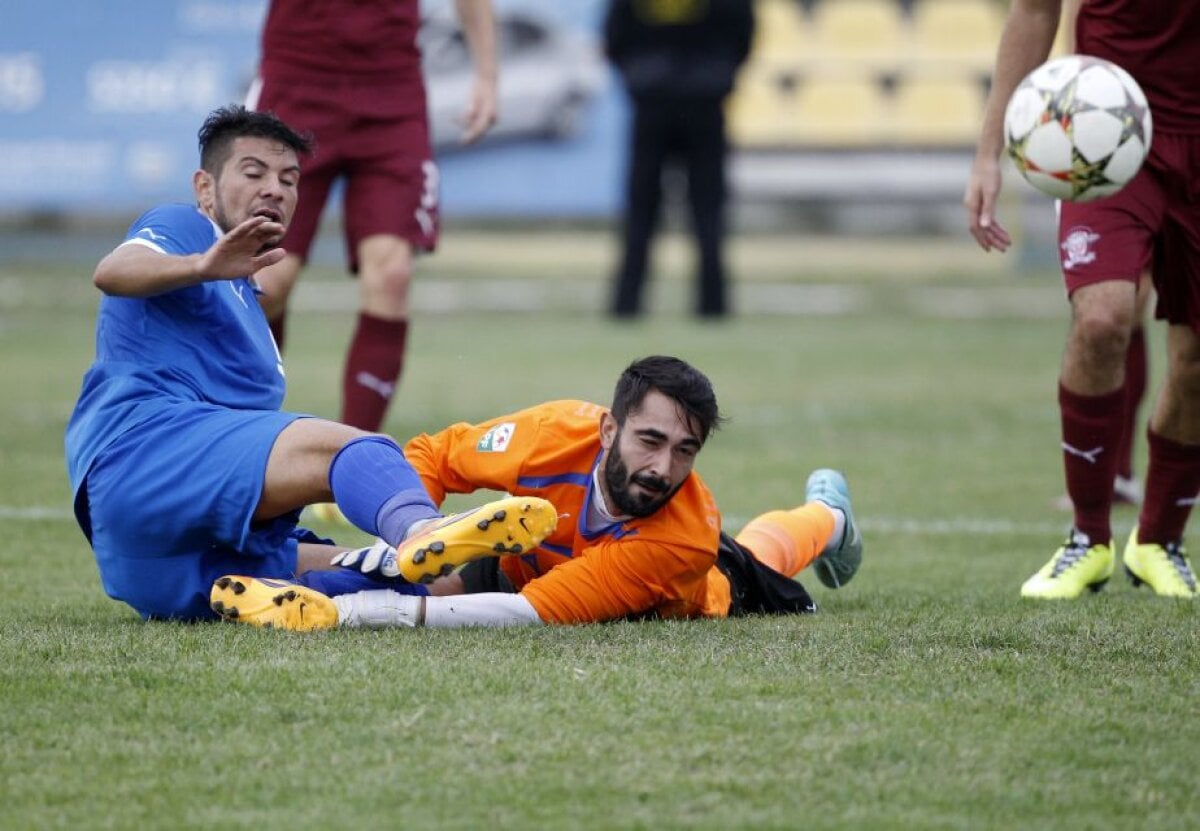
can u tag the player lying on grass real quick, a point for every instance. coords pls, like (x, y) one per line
(638, 532)
(182, 465)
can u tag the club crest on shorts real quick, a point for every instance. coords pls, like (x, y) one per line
(496, 440)
(1077, 246)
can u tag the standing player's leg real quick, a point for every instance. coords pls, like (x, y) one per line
(375, 358)
(1104, 247)
(1091, 401)
(705, 154)
(643, 203)
(391, 214)
(1126, 488)
(1155, 554)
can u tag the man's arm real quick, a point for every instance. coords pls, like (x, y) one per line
(1025, 43)
(136, 270)
(479, 25)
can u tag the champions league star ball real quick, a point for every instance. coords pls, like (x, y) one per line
(1078, 128)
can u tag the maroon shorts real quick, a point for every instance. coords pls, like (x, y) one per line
(1154, 222)
(376, 139)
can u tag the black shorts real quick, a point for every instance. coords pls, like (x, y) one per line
(757, 589)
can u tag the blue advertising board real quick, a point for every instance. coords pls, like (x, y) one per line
(100, 101)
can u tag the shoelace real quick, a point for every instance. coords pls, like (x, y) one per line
(1073, 551)
(1178, 558)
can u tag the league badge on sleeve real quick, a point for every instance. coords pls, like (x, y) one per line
(497, 439)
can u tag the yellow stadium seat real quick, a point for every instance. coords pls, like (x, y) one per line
(859, 34)
(935, 112)
(961, 34)
(780, 33)
(839, 112)
(762, 110)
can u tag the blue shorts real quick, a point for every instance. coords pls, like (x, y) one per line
(168, 507)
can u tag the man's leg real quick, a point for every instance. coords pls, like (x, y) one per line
(789, 541)
(1092, 406)
(705, 157)
(376, 354)
(821, 531)
(643, 202)
(1155, 554)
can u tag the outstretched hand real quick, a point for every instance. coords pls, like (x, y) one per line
(245, 249)
(983, 188)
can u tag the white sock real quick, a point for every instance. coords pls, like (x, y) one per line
(378, 609)
(839, 528)
(416, 527)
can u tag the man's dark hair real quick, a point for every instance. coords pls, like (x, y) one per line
(228, 123)
(674, 378)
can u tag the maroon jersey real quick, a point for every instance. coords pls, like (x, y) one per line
(1158, 43)
(372, 39)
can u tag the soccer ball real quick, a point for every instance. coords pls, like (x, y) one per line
(1078, 128)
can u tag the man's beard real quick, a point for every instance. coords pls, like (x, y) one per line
(616, 477)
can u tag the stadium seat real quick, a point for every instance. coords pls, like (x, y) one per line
(762, 109)
(956, 34)
(936, 112)
(839, 112)
(858, 34)
(780, 34)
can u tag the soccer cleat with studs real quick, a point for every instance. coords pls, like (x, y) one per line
(1076, 566)
(835, 567)
(513, 525)
(276, 604)
(1164, 568)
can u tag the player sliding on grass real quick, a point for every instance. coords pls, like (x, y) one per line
(638, 532)
(182, 465)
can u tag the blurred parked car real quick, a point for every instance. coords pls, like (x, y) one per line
(548, 74)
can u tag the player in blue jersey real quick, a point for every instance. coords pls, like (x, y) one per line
(182, 465)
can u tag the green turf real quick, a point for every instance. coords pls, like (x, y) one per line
(925, 694)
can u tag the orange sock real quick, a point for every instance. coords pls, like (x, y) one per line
(788, 541)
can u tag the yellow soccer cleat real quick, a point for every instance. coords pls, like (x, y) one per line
(513, 525)
(1164, 568)
(1078, 565)
(277, 604)
(330, 514)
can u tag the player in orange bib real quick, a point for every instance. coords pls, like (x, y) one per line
(638, 533)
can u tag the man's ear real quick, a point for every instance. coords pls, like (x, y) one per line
(205, 187)
(608, 430)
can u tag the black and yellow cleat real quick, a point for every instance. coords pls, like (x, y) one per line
(513, 525)
(1077, 566)
(1164, 568)
(277, 604)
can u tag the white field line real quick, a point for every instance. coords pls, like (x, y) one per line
(951, 526)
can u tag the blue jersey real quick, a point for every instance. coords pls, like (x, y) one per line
(205, 343)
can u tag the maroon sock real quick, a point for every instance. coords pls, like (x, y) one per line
(1091, 432)
(1172, 482)
(372, 370)
(278, 328)
(1136, 368)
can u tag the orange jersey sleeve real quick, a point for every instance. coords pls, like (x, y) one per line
(559, 438)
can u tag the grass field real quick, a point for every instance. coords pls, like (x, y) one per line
(925, 695)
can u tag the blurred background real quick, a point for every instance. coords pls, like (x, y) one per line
(853, 118)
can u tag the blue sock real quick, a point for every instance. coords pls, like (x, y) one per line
(346, 581)
(377, 489)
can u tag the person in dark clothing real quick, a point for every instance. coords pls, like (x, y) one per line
(678, 61)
